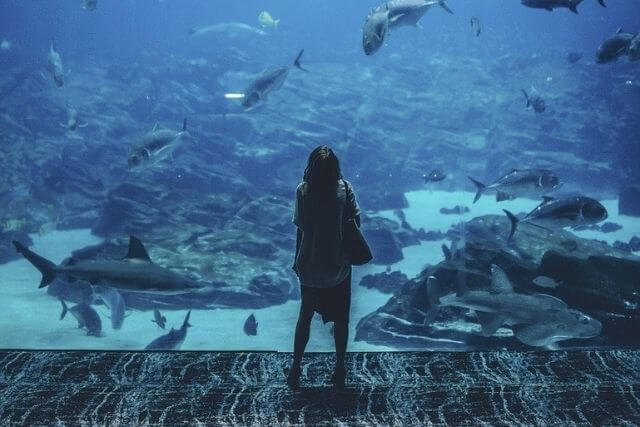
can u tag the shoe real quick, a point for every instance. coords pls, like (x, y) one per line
(338, 377)
(293, 379)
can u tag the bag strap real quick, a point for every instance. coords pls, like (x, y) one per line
(347, 191)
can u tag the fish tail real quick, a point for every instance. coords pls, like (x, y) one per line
(192, 31)
(602, 3)
(64, 309)
(527, 97)
(275, 24)
(184, 125)
(480, 187)
(444, 5)
(296, 63)
(46, 267)
(514, 223)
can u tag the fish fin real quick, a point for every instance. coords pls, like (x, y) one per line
(619, 30)
(70, 261)
(554, 345)
(433, 301)
(602, 3)
(553, 302)
(573, 9)
(514, 222)
(489, 322)
(480, 187)
(64, 309)
(444, 5)
(156, 126)
(499, 280)
(137, 250)
(447, 252)
(83, 125)
(275, 24)
(186, 323)
(43, 265)
(550, 9)
(527, 97)
(62, 125)
(192, 31)
(296, 62)
(501, 196)
(546, 199)
(184, 124)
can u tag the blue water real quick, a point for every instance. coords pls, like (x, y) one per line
(432, 96)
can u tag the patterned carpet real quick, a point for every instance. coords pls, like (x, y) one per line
(213, 388)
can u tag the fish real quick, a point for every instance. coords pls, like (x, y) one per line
(90, 4)
(5, 44)
(158, 318)
(250, 326)
(392, 14)
(269, 81)
(614, 47)
(72, 119)
(136, 272)
(538, 320)
(172, 340)
(559, 213)
(228, 29)
(545, 282)
(475, 26)
(267, 21)
(54, 61)
(157, 145)
(520, 183)
(435, 175)
(555, 4)
(574, 57)
(86, 316)
(112, 299)
(534, 100)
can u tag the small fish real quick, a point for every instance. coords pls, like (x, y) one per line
(157, 145)
(72, 120)
(250, 326)
(231, 30)
(267, 21)
(158, 318)
(86, 316)
(5, 45)
(545, 282)
(112, 299)
(435, 175)
(574, 57)
(534, 100)
(475, 26)
(173, 339)
(54, 61)
(90, 4)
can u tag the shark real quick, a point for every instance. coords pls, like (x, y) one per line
(538, 320)
(135, 272)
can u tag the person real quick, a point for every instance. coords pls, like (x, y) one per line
(324, 201)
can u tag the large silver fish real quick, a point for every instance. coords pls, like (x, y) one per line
(554, 4)
(268, 82)
(533, 183)
(157, 145)
(560, 213)
(615, 46)
(391, 14)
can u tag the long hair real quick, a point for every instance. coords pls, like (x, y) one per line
(322, 173)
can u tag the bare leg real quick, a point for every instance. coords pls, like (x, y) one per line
(300, 343)
(340, 336)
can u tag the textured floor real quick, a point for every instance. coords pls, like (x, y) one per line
(79, 387)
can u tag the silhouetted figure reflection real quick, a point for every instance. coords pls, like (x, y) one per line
(323, 201)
